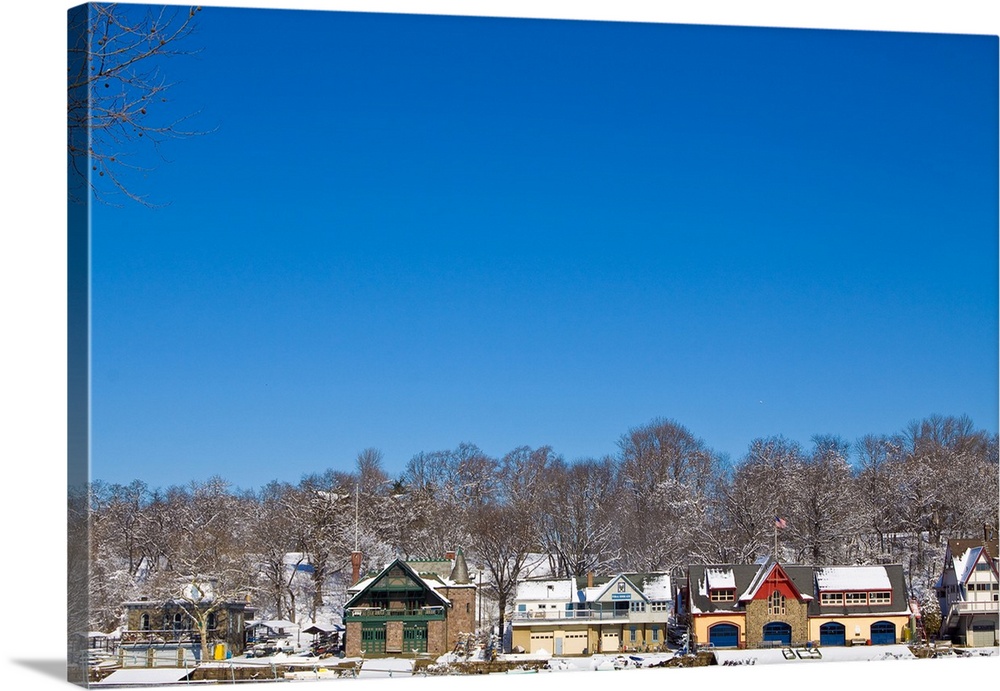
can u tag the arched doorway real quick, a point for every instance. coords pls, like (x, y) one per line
(883, 633)
(724, 636)
(778, 632)
(832, 633)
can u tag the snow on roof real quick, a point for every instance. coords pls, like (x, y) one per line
(657, 587)
(852, 578)
(764, 568)
(361, 585)
(561, 589)
(720, 578)
(966, 564)
(279, 624)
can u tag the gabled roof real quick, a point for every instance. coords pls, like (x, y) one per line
(654, 585)
(612, 583)
(959, 546)
(800, 579)
(367, 584)
(965, 564)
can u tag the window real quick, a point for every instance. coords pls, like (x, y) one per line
(468, 607)
(144, 622)
(656, 634)
(632, 634)
(831, 599)
(212, 620)
(637, 606)
(855, 599)
(776, 603)
(982, 566)
(880, 597)
(659, 606)
(722, 595)
(178, 622)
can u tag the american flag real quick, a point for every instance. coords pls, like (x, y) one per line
(779, 522)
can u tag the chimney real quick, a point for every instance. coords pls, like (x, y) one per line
(450, 555)
(355, 567)
(590, 579)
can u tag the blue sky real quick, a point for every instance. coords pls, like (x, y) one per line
(411, 232)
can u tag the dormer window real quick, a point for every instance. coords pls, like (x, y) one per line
(831, 599)
(722, 594)
(855, 599)
(880, 597)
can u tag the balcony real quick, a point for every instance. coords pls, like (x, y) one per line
(433, 612)
(586, 615)
(983, 607)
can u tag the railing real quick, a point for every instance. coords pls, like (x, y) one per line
(565, 614)
(974, 607)
(160, 636)
(394, 613)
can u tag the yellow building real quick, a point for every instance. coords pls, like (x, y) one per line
(769, 604)
(625, 612)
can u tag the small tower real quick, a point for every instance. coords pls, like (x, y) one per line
(460, 572)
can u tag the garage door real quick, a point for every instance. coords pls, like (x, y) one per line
(724, 636)
(541, 641)
(982, 635)
(778, 632)
(883, 633)
(832, 633)
(610, 642)
(574, 643)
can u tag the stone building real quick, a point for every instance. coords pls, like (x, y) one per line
(410, 607)
(167, 627)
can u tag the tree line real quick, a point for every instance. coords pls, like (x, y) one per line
(665, 499)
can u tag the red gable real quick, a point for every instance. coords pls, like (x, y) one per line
(774, 579)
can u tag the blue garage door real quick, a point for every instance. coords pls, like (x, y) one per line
(832, 633)
(778, 632)
(883, 633)
(724, 636)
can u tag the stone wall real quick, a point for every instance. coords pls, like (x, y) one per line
(795, 616)
(394, 637)
(437, 638)
(461, 616)
(352, 641)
